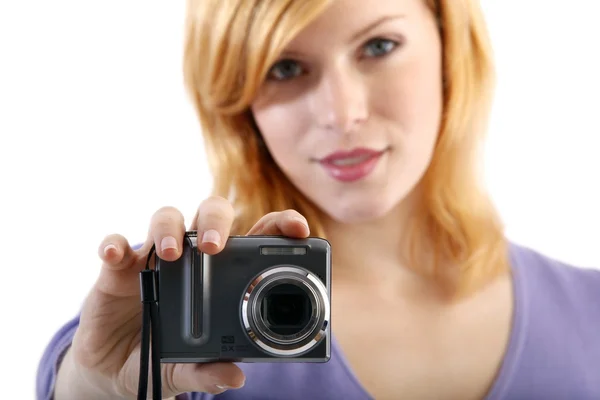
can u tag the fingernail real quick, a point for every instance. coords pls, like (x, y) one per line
(227, 387)
(301, 220)
(109, 248)
(168, 242)
(211, 236)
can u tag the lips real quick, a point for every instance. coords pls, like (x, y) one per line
(351, 166)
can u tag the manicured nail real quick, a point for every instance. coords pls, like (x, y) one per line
(168, 242)
(109, 248)
(211, 236)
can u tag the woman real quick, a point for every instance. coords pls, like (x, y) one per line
(360, 122)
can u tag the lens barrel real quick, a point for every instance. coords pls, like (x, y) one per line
(286, 311)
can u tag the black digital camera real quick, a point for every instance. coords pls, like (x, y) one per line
(261, 299)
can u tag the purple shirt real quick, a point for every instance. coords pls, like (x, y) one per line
(554, 349)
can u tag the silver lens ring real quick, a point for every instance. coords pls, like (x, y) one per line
(262, 327)
(286, 345)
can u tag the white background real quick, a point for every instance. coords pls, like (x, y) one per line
(97, 133)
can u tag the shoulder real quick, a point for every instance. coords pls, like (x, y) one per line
(554, 281)
(554, 349)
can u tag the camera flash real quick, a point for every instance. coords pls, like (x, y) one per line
(283, 251)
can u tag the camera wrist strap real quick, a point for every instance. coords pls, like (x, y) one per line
(150, 333)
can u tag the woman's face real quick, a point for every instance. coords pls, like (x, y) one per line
(351, 110)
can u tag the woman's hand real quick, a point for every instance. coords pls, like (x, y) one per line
(103, 361)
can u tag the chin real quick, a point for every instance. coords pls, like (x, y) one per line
(358, 212)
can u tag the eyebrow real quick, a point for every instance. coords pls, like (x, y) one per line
(374, 24)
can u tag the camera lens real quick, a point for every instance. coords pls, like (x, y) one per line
(286, 309)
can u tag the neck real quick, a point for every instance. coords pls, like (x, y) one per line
(369, 256)
(370, 252)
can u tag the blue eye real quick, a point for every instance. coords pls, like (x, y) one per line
(284, 70)
(379, 47)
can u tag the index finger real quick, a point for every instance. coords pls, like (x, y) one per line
(287, 223)
(213, 222)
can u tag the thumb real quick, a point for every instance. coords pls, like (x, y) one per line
(211, 378)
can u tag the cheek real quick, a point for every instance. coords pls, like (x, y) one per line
(410, 103)
(412, 96)
(282, 128)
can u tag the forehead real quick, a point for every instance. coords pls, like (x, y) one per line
(345, 18)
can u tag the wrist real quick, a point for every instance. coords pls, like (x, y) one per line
(72, 384)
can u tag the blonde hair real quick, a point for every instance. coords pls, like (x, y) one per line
(229, 47)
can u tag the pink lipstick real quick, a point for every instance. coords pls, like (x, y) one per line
(351, 166)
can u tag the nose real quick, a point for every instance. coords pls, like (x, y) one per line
(341, 101)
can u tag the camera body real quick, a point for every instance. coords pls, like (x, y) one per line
(261, 299)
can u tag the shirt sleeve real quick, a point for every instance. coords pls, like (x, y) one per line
(51, 359)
